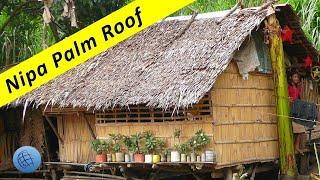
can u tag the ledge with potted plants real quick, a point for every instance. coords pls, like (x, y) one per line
(144, 147)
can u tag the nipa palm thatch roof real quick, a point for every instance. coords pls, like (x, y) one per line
(154, 67)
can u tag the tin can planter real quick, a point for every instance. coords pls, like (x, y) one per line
(148, 158)
(183, 158)
(139, 158)
(175, 156)
(163, 158)
(156, 158)
(210, 156)
(113, 157)
(101, 158)
(169, 157)
(203, 157)
(198, 158)
(119, 157)
(126, 158)
(193, 157)
(131, 157)
(109, 158)
(188, 159)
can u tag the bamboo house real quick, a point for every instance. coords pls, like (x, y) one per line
(186, 73)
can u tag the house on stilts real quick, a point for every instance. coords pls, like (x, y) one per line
(181, 73)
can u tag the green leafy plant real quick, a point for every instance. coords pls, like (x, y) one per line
(160, 145)
(96, 146)
(177, 134)
(117, 148)
(127, 141)
(106, 145)
(167, 151)
(150, 144)
(101, 146)
(136, 143)
(182, 148)
(199, 140)
(117, 145)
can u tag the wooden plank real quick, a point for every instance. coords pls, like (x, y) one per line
(95, 174)
(245, 141)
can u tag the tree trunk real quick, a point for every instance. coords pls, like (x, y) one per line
(286, 145)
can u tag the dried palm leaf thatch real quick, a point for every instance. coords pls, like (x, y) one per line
(144, 69)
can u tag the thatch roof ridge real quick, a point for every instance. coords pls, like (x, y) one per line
(145, 69)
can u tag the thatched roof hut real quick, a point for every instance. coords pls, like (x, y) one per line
(158, 68)
(175, 64)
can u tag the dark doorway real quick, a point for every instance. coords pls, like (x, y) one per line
(52, 142)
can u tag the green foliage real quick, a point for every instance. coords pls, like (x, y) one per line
(117, 148)
(117, 142)
(199, 141)
(177, 133)
(127, 142)
(203, 6)
(133, 142)
(106, 145)
(136, 143)
(101, 146)
(183, 148)
(96, 146)
(161, 144)
(309, 12)
(23, 34)
(150, 142)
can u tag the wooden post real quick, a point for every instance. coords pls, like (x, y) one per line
(228, 174)
(286, 145)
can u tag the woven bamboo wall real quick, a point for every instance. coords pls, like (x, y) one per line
(244, 130)
(240, 125)
(77, 138)
(162, 130)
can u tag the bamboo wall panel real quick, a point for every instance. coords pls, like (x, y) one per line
(161, 130)
(242, 124)
(77, 138)
(142, 113)
(245, 125)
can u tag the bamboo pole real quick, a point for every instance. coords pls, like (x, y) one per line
(316, 152)
(286, 145)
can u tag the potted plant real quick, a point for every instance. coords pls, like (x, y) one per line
(156, 158)
(150, 146)
(106, 145)
(183, 149)
(128, 143)
(175, 155)
(161, 144)
(96, 146)
(198, 142)
(117, 147)
(135, 147)
(167, 153)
